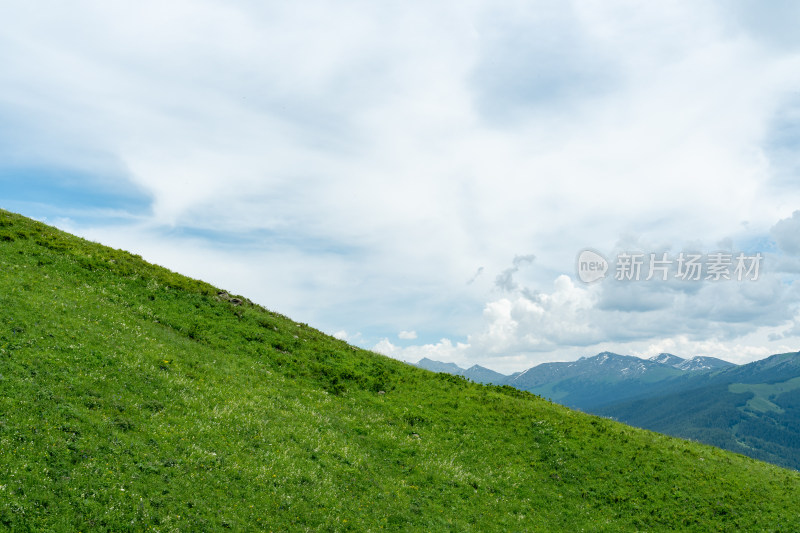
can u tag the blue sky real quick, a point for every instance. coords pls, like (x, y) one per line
(419, 179)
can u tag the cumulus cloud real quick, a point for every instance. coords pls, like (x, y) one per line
(787, 234)
(444, 350)
(645, 317)
(407, 335)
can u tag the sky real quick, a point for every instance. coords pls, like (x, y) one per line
(420, 178)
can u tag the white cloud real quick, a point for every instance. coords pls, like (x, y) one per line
(357, 163)
(444, 350)
(787, 234)
(407, 335)
(642, 317)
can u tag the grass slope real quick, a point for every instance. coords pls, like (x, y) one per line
(763, 393)
(132, 398)
(752, 409)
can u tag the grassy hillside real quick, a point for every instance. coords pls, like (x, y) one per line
(132, 398)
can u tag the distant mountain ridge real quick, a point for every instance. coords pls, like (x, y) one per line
(753, 409)
(589, 382)
(692, 365)
(438, 366)
(703, 363)
(476, 373)
(667, 359)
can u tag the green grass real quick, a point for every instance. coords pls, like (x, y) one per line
(763, 393)
(135, 399)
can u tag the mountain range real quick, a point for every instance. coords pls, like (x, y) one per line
(590, 382)
(476, 373)
(752, 409)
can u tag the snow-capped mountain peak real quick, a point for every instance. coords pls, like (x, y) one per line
(667, 359)
(702, 363)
